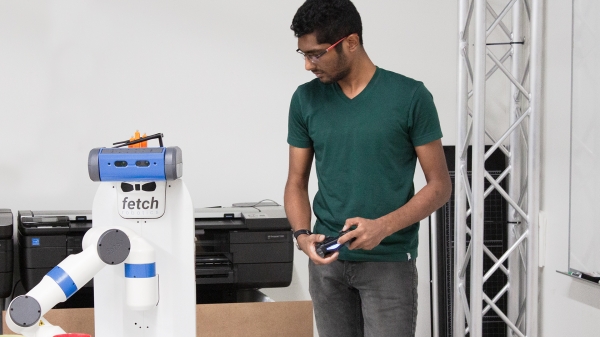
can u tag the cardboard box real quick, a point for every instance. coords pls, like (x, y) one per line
(259, 319)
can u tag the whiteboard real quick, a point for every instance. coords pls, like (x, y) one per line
(585, 138)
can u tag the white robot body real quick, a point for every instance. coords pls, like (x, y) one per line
(124, 306)
(141, 293)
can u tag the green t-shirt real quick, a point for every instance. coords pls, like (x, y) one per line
(365, 153)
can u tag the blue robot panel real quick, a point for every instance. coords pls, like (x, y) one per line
(135, 164)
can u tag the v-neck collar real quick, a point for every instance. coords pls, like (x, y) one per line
(361, 94)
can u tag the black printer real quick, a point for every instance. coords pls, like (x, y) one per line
(6, 252)
(245, 246)
(45, 238)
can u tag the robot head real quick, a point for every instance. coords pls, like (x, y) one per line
(135, 164)
(138, 174)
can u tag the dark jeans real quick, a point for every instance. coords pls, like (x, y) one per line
(371, 299)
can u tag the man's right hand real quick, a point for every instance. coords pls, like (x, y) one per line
(307, 244)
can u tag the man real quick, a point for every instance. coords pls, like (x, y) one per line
(365, 127)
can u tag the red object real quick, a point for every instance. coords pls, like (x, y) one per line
(73, 335)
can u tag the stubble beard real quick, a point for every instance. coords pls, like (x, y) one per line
(340, 70)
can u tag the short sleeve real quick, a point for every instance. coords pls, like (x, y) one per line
(298, 135)
(424, 123)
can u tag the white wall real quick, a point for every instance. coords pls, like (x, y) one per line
(567, 307)
(215, 77)
(585, 148)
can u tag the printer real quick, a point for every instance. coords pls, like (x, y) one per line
(6, 252)
(44, 239)
(246, 246)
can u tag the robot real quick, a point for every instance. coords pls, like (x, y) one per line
(139, 251)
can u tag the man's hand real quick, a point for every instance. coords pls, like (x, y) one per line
(307, 244)
(368, 233)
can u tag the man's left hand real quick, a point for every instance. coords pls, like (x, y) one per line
(368, 233)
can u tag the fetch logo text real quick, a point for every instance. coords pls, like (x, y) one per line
(139, 204)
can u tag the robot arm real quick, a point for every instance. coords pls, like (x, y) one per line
(101, 247)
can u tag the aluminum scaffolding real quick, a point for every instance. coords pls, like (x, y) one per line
(499, 97)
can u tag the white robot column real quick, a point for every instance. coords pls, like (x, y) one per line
(140, 190)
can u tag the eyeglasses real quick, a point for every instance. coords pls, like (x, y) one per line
(314, 58)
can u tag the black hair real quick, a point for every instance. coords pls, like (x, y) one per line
(330, 20)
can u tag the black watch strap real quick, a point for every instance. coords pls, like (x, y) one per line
(300, 232)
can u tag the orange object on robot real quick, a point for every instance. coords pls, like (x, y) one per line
(136, 136)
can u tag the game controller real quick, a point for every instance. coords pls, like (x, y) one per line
(330, 245)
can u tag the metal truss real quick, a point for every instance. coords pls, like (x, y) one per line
(499, 77)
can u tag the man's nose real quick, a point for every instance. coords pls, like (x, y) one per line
(308, 65)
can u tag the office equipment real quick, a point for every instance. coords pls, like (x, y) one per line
(45, 238)
(242, 248)
(6, 252)
(236, 248)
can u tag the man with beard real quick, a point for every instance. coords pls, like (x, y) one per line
(365, 127)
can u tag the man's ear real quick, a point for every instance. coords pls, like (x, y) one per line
(353, 42)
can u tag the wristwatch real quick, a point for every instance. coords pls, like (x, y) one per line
(300, 232)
